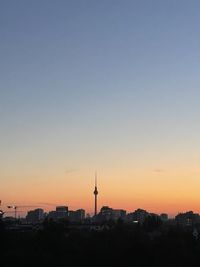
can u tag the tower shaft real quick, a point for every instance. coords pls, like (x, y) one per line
(95, 206)
(95, 196)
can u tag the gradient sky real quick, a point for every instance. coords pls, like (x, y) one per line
(109, 85)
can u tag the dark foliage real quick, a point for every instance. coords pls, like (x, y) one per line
(61, 244)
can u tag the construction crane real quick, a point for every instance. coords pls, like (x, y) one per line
(15, 207)
(1, 211)
(1, 214)
(43, 204)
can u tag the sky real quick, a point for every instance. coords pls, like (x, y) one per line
(110, 86)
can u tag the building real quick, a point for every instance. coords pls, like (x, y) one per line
(187, 219)
(164, 217)
(77, 216)
(138, 216)
(61, 212)
(106, 213)
(35, 216)
(62, 209)
(118, 214)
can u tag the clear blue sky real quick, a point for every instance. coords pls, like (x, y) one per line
(95, 84)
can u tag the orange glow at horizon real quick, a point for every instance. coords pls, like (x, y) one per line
(154, 190)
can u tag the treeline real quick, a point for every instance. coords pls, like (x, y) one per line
(60, 244)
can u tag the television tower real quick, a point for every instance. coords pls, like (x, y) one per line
(95, 196)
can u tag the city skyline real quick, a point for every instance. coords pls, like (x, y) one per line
(111, 86)
(20, 210)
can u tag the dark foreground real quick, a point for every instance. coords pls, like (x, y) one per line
(59, 244)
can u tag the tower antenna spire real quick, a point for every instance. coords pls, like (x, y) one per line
(95, 195)
(95, 178)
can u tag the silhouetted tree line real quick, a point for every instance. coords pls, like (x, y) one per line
(62, 244)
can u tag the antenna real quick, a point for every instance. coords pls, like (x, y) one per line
(95, 178)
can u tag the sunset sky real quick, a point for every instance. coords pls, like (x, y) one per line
(109, 85)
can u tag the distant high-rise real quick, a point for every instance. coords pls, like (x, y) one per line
(35, 216)
(77, 215)
(95, 196)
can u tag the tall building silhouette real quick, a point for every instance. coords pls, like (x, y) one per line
(95, 196)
